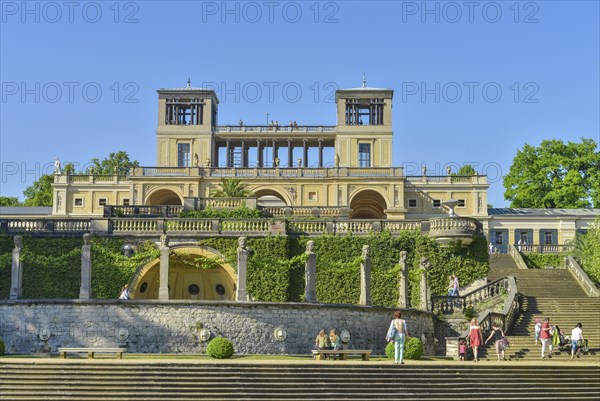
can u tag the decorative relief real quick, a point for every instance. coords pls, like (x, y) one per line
(122, 333)
(204, 335)
(45, 333)
(345, 336)
(279, 333)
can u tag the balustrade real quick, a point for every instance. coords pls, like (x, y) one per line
(188, 225)
(448, 304)
(135, 225)
(311, 227)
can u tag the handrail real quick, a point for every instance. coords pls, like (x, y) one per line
(581, 276)
(447, 304)
(516, 255)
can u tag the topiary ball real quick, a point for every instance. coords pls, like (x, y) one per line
(390, 350)
(2, 347)
(220, 348)
(413, 348)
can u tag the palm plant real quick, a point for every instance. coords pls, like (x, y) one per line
(232, 188)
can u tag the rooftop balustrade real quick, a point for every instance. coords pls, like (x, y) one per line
(275, 129)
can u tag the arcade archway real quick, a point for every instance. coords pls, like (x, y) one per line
(368, 204)
(195, 273)
(162, 197)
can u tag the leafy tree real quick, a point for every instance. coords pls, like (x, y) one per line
(116, 163)
(466, 170)
(9, 201)
(40, 192)
(555, 175)
(232, 188)
(69, 169)
(588, 251)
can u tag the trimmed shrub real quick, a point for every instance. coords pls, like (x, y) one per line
(390, 350)
(220, 348)
(2, 347)
(413, 348)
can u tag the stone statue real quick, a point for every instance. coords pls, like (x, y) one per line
(424, 170)
(196, 160)
(337, 160)
(310, 273)
(276, 161)
(424, 289)
(299, 162)
(310, 246)
(242, 243)
(424, 263)
(57, 168)
(403, 298)
(448, 170)
(18, 241)
(164, 241)
(403, 256)
(208, 162)
(365, 251)
(86, 239)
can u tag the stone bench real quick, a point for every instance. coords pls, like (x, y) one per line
(342, 353)
(91, 351)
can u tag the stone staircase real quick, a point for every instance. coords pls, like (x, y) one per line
(120, 380)
(552, 293)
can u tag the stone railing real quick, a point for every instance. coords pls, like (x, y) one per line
(516, 255)
(447, 229)
(504, 319)
(274, 129)
(135, 225)
(46, 226)
(298, 211)
(544, 248)
(399, 226)
(448, 304)
(141, 211)
(582, 278)
(452, 179)
(303, 172)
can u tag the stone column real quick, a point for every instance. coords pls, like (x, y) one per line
(320, 153)
(16, 277)
(85, 291)
(163, 289)
(403, 299)
(310, 273)
(290, 154)
(365, 277)
(305, 153)
(424, 290)
(242, 264)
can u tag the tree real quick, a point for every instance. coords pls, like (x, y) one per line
(9, 201)
(40, 192)
(116, 163)
(232, 188)
(466, 170)
(555, 175)
(588, 251)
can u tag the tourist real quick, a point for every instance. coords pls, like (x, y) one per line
(124, 292)
(450, 285)
(577, 340)
(475, 338)
(498, 336)
(557, 337)
(334, 339)
(241, 123)
(546, 337)
(295, 124)
(455, 286)
(322, 341)
(537, 329)
(399, 330)
(520, 245)
(491, 248)
(462, 350)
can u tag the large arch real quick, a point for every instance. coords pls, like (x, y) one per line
(163, 197)
(187, 281)
(265, 197)
(368, 204)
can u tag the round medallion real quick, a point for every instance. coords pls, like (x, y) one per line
(45, 333)
(279, 333)
(122, 334)
(345, 336)
(204, 335)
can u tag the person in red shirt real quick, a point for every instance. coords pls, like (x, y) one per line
(546, 337)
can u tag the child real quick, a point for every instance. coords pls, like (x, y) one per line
(538, 329)
(462, 350)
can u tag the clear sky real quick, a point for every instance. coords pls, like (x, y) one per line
(474, 80)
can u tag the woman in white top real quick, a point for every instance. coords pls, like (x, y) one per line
(576, 336)
(401, 332)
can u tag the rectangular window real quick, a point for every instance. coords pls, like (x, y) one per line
(548, 238)
(78, 202)
(312, 196)
(183, 155)
(461, 203)
(499, 238)
(437, 203)
(364, 154)
(125, 201)
(523, 237)
(102, 202)
(412, 203)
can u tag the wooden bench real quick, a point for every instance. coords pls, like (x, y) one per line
(342, 353)
(91, 351)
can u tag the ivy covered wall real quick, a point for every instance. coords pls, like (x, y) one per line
(275, 266)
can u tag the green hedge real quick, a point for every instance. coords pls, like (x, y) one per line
(220, 348)
(275, 266)
(540, 261)
(209, 213)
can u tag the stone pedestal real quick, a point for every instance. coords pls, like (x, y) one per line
(365, 277)
(85, 290)
(16, 277)
(404, 298)
(163, 289)
(242, 266)
(310, 273)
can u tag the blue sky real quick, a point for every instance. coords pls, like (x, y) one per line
(474, 81)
